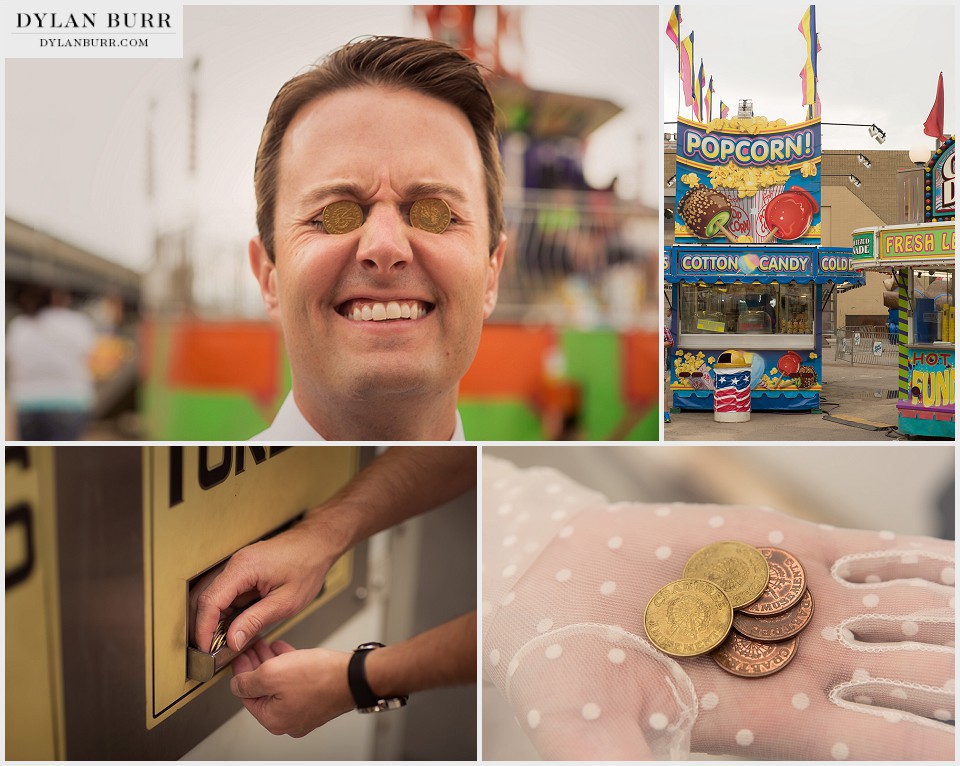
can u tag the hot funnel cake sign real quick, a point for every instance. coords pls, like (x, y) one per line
(748, 181)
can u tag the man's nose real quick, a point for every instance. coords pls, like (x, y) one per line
(384, 243)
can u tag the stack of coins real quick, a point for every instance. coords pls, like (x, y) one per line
(220, 634)
(744, 605)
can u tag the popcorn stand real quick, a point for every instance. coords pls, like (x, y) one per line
(747, 274)
(921, 257)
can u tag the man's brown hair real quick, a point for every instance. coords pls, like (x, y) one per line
(425, 66)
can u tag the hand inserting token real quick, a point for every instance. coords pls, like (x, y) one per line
(430, 214)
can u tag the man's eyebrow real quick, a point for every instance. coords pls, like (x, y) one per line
(318, 194)
(435, 189)
(415, 191)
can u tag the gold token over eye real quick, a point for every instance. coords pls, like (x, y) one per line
(430, 214)
(342, 217)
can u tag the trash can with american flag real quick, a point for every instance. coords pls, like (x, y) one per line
(731, 396)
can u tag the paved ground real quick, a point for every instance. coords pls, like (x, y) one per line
(863, 391)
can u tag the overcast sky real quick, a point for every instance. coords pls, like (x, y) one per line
(878, 64)
(75, 130)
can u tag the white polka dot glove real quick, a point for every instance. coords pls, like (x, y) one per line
(567, 576)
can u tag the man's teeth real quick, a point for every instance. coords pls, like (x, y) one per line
(378, 312)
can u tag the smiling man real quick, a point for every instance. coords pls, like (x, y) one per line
(379, 208)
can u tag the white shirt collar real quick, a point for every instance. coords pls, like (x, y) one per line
(290, 425)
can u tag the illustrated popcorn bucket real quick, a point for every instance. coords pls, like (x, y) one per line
(748, 212)
(731, 394)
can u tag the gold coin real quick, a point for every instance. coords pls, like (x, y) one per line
(430, 214)
(688, 617)
(739, 569)
(341, 217)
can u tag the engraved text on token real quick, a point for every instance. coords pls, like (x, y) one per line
(786, 587)
(752, 659)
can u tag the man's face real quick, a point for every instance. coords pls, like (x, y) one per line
(384, 149)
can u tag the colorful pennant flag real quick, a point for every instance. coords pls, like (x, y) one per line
(673, 26)
(708, 97)
(808, 75)
(934, 124)
(698, 94)
(724, 110)
(686, 69)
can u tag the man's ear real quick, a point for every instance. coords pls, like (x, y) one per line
(493, 277)
(265, 271)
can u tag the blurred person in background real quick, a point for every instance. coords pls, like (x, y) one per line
(50, 382)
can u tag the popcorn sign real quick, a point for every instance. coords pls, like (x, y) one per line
(748, 181)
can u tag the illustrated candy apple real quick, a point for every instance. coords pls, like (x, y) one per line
(705, 212)
(791, 213)
(715, 225)
(789, 363)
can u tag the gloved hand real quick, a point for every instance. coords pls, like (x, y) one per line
(567, 576)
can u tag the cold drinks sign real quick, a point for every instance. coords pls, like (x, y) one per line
(748, 180)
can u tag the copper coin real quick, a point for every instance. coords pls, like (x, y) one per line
(752, 659)
(342, 217)
(785, 586)
(430, 214)
(776, 627)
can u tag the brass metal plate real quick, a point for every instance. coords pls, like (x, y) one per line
(202, 504)
(34, 683)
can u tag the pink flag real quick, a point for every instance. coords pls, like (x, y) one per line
(808, 75)
(686, 68)
(934, 124)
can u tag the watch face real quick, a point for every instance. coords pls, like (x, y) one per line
(371, 645)
(394, 703)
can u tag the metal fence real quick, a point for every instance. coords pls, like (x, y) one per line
(578, 257)
(866, 345)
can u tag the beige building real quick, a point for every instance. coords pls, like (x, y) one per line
(844, 207)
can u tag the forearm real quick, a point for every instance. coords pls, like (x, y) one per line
(399, 484)
(443, 656)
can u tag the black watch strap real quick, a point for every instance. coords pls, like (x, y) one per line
(363, 696)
